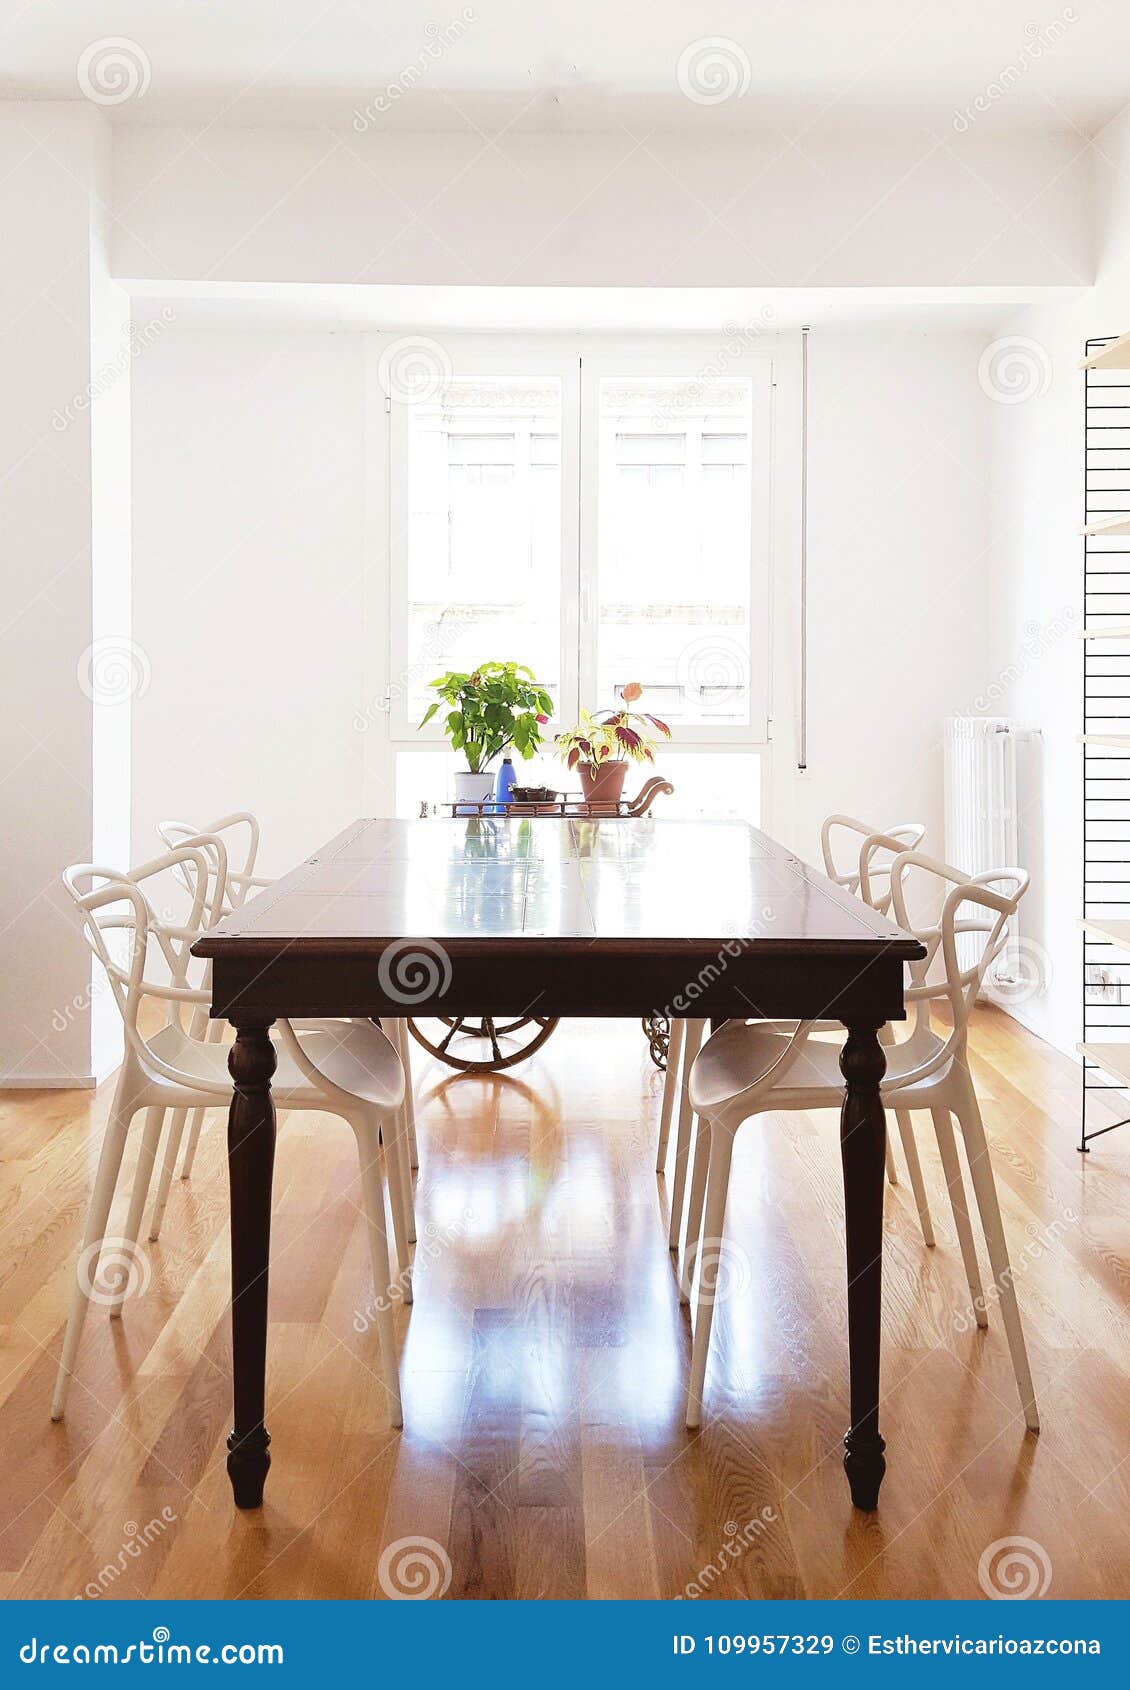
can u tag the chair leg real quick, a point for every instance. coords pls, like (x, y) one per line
(943, 1126)
(168, 1166)
(213, 1035)
(369, 1156)
(398, 1177)
(892, 1170)
(143, 1176)
(985, 1191)
(692, 1230)
(887, 1037)
(692, 1039)
(670, 1088)
(97, 1216)
(914, 1168)
(195, 1122)
(717, 1183)
(409, 1097)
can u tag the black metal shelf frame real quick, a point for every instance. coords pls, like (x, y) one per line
(1106, 712)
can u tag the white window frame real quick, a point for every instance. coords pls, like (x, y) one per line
(674, 357)
(471, 362)
(580, 363)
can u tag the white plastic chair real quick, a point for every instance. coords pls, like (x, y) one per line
(239, 884)
(908, 835)
(218, 904)
(749, 1069)
(351, 1070)
(879, 849)
(222, 839)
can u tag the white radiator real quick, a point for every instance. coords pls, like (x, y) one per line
(982, 827)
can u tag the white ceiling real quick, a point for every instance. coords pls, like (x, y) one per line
(596, 310)
(588, 63)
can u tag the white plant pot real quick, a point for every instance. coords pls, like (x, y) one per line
(473, 789)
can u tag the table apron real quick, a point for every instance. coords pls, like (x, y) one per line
(600, 984)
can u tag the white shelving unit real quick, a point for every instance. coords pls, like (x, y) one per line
(1113, 1060)
(1111, 526)
(1111, 354)
(1105, 738)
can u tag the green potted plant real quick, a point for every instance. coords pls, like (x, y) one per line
(497, 706)
(601, 747)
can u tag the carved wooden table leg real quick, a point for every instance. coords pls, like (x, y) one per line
(863, 1141)
(251, 1161)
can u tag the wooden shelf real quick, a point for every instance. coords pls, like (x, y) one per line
(1116, 356)
(1108, 525)
(1112, 1059)
(1116, 631)
(1116, 742)
(1118, 932)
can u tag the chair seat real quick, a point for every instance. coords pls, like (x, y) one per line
(354, 1055)
(741, 1057)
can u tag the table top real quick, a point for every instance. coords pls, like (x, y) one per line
(500, 884)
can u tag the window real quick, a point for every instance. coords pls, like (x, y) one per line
(600, 516)
(674, 545)
(478, 532)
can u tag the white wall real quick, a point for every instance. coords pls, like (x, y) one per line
(898, 506)
(835, 208)
(50, 157)
(249, 483)
(1035, 574)
(248, 477)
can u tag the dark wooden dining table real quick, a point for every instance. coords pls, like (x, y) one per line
(554, 916)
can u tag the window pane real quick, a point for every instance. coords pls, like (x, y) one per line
(484, 531)
(674, 479)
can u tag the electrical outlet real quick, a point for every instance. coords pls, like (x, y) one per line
(1101, 986)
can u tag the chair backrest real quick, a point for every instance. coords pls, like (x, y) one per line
(881, 845)
(115, 904)
(993, 897)
(226, 831)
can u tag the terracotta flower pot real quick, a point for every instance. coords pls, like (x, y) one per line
(604, 785)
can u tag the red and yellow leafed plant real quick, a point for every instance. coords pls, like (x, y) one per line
(612, 736)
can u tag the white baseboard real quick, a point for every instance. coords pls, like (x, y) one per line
(79, 1082)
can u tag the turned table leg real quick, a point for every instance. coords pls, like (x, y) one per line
(251, 1160)
(863, 1141)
